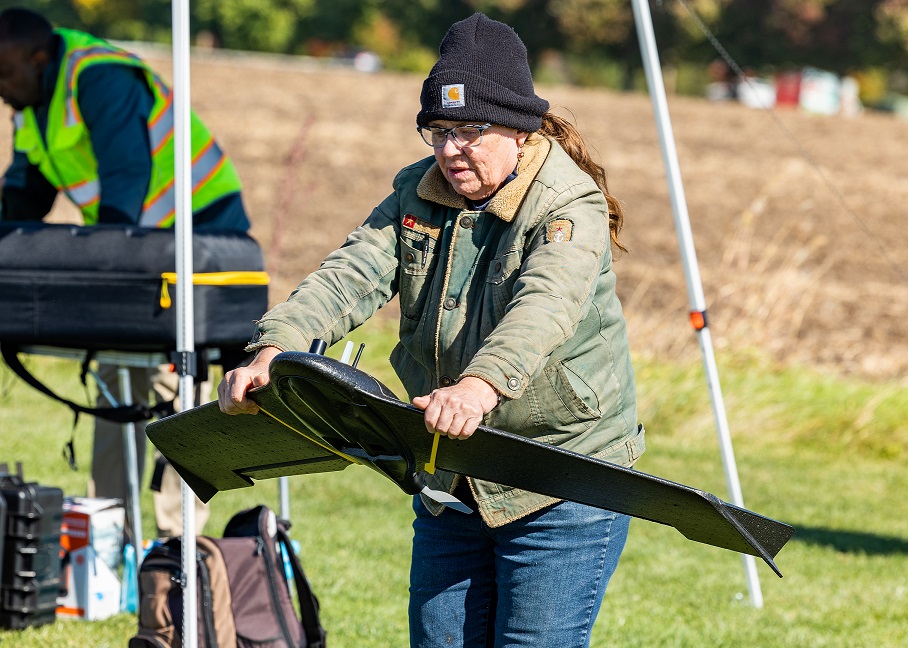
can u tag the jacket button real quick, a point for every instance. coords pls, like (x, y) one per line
(410, 257)
(498, 266)
(513, 384)
(450, 303)
(466, 222)
(446, 381)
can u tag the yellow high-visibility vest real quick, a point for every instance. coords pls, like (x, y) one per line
(66, 158)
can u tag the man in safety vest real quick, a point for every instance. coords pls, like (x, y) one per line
(96, 123)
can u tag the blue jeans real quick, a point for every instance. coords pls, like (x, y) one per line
(536, 582)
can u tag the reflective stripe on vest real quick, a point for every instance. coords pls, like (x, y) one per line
(76, 59)
(84, 193)
(161, 127)
(159, 209)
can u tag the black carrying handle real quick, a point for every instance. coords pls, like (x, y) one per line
(315, 633)
(122, 414)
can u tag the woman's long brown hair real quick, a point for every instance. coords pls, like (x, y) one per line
(571, 141)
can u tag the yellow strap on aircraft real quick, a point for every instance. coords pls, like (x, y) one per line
(430, 466)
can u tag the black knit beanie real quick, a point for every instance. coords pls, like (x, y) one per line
(482, 75)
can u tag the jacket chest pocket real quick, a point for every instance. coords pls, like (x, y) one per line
(501, 278)
(418, 258)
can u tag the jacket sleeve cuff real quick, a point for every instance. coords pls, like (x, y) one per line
(503, 376)
(275, 333)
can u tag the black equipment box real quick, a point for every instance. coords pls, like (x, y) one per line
(114, 288)
(31, 572)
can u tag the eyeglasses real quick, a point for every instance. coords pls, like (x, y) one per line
(468, 135)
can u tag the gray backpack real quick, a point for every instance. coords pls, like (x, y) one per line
(244, 597)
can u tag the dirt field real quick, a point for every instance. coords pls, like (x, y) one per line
(798, 220)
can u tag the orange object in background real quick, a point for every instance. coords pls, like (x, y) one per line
(91, 540)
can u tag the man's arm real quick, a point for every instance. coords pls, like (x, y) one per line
(115, 103)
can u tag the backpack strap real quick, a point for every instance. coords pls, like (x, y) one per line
(122, 414)
(315, 633)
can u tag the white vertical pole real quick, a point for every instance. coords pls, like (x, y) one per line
(185, 313)
(644, 23)
(132, 470)
(283, 489)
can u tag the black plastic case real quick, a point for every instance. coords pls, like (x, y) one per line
(30, 578)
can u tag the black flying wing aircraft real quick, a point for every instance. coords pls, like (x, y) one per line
(319, 415)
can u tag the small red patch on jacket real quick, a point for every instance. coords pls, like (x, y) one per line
(421, 226)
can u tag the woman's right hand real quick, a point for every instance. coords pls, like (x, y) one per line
(232, 389)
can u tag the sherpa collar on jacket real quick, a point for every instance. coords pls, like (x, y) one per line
(435, 187)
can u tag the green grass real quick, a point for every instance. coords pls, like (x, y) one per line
(824, 454)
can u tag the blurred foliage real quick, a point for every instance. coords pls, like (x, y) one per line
(270, 26)
(566, 39)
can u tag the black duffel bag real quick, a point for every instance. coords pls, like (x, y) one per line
(114, 288)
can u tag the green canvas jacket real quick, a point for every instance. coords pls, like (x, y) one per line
(521, 295)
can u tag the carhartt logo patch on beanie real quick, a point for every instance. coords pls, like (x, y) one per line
(452, 96)
(482, 75)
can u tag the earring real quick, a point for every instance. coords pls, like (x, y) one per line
(520, 153)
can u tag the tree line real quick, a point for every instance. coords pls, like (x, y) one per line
(587, 42)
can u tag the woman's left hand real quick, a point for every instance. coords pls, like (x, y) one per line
(457, 411)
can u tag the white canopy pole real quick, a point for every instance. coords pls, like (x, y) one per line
(644, 22)
(185, 314)
(283, 490)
